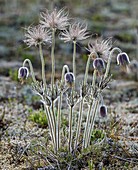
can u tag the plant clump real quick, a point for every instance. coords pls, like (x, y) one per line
(69, 150)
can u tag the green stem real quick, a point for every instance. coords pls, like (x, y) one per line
(31, 69)
(53, 59)
(92, 122)
(43, 65)
(109, 61)
(74, 58)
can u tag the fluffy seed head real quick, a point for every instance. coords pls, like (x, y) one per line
(36, 35)
(55, 19)
(99, 65)
(103, 111)
(100, 48)
(76, 32)
(23, 73)
(69, 79)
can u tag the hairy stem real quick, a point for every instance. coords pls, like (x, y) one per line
(86, 70)
(79, 122)
(50, 123)
(89, 112)
(94, 79)
(54, 121)
(81, 104)
(109, 61)
(53, 59)
(94, 111)
(70, 129)
(74, 58)
(59, 121)
(31, 69)
(87, 125)
(52, 82)
(43, 65)
(65, 68)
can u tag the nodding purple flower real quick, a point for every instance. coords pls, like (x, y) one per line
(99, 65)
(103, 111)
(123, 59)
(23, 73)
(69, 78)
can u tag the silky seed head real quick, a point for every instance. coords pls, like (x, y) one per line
(55, 19)
(23, 73)
(36, 35)
(100, 48)
(76, 32)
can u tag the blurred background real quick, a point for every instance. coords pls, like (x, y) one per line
(107, 18)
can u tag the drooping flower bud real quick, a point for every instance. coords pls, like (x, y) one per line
(123, 60)
(23, 73)
(99, 65)
(103, 111)
(70, 78)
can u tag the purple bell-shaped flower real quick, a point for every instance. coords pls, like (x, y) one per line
(99, 65)
(23, 73)
(69, 79)
(123, 60)
(103, 111)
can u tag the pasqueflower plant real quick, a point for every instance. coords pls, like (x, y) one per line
(100, 54)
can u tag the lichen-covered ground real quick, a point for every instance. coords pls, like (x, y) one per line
(20, 136)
